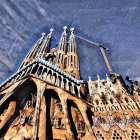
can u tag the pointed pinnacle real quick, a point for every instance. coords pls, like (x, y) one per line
(51, 31)
(98, 77)
(89, 78)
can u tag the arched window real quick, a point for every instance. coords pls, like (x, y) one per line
(54, 77)
(70, 87)
(111, 100)
(59, 57)
(65, 84)
(39, 70)
(97, 102)
(59, 81)
(44, 74)
(34, 69)
(65, 62)
(62, 59)
(71, 61)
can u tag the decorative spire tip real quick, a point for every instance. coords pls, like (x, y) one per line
(51, 30)
(65, 28)
(43, 34)
(71, 29)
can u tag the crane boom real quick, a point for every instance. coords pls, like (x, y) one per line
(102, 48)
(93, 43)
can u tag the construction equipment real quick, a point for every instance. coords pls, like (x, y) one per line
(102, 48)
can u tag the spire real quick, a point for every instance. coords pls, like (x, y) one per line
(35, 48)
(62, 42)
(72, 56)
(40, 48)
(32, 53)
(45, 47)
(72, 42)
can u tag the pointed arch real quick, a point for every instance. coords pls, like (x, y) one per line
(70, 87)
(65, 83)
(49, 75)
(54, 78)
(39, 71)
(44, 73)
(34, 68)
(59, 81)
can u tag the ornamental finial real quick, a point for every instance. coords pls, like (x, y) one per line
(65, 28)
(51, 30)
(72, 30)
(43, 34)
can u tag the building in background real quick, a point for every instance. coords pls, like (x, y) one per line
(47, 99)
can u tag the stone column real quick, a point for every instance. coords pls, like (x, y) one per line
(40, 90)
(63, 98)
(79, 91)
(67, 84)
(83, 108)
(73, 88)
(42, 124)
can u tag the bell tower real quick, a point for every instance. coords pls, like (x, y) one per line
(72, 57)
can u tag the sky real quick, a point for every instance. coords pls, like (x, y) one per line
(114, 23)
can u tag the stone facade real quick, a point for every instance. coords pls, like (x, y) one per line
(47, 99)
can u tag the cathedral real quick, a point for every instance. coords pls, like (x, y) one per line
(46, 99)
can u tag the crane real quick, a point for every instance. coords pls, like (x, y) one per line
(102, 48)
